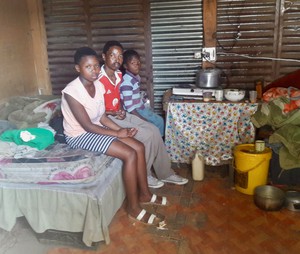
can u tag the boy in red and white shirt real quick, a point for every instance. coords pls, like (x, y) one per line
(155, 152)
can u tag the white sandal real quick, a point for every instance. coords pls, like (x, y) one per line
(141, 215)
(164, 201)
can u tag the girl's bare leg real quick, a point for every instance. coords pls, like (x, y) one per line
(130, 176)
(144, 193)
(128, 156)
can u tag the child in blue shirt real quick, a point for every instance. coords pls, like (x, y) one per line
(132, 99)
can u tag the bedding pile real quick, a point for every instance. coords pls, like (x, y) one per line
(28, 112)
(280, 110)
(29, 153)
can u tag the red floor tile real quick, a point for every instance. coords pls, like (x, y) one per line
(206, 217)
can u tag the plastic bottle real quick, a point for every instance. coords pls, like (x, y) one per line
(198, 166)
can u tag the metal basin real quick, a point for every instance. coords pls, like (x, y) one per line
(292, 200)
(269, 198)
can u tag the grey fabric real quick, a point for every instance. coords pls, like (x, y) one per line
(28, 112)
(6, 125)
(155, 151)
(13, 104)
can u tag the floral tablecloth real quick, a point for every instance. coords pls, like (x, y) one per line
(213, 128)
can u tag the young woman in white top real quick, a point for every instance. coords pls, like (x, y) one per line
(86, 126)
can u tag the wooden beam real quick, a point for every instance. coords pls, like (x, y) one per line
(39, 41)
(209, 26)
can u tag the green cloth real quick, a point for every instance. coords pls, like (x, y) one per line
(272, 114)
(286, 128)
(289, 153)
(43, 137)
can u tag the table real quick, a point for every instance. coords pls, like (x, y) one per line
(213, 128)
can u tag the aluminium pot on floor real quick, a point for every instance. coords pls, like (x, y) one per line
(269, 198)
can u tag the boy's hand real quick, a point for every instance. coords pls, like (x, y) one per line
(120, 114)
(110, 112)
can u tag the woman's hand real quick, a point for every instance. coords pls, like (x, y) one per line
(132, 132)
(126, 132)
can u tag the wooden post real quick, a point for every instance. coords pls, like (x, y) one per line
(209, 26)
(39, 41)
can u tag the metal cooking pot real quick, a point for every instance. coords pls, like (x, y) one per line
(269, 198)
(209, 78)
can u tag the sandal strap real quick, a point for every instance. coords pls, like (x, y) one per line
(164, 201)
(153, 198)
(151, 219)
(141, 215)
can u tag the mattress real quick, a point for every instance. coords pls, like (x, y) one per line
(86, 207)
(60, 188)
(56, 164)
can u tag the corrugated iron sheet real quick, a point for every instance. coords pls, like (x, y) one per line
(255, 39)
(245, 33)
(290, 42)
(177, 33)
(252, 36)
(71, 24)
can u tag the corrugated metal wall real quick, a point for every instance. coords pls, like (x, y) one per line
(177, 32)
(126, 22)
(246, 29)
(289, 45)
(71, 24)
(252, 37)
(66, 31)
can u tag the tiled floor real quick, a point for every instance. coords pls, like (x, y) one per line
(207, 217)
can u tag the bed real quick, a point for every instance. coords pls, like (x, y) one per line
(278, 120)
(55, 188)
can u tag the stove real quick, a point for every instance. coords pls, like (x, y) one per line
(192, 91)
